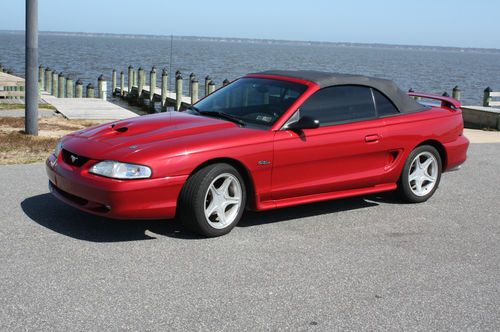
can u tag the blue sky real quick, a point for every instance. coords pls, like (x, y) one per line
(463, 23)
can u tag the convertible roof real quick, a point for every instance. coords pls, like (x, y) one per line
(403, 102)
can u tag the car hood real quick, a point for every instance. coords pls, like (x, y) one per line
(119, 140)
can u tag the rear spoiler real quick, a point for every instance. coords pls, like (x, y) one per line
(447, 102)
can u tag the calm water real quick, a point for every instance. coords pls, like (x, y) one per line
(423, 70)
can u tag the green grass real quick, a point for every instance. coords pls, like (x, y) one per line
(22, 106)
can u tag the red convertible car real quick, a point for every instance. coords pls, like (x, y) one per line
(265, 141)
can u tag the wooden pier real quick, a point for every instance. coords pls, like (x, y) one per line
(137, 88)
(87, 108)
(141, 89)
(12, 92)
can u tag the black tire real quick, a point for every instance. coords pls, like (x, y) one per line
(191, 206)
(405, 189)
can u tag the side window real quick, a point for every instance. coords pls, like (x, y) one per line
(340, 104)
(385, 107)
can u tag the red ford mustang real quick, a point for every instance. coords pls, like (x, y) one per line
(265, 141)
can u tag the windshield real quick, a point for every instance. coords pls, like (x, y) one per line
(255, 101)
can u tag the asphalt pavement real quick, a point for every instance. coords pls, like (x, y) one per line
(369, 263)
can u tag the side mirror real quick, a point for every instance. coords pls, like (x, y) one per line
(305, 122)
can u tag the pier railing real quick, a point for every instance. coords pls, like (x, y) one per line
(11, 87)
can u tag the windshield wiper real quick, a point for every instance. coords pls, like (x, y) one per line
(224, 116)
(194, 108)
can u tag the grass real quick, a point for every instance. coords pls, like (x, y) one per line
(18, 148)
(22, 106)
(56, 124)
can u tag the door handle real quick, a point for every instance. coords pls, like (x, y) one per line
(372, 138)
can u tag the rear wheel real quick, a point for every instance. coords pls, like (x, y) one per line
(421, 174)
(213, 200)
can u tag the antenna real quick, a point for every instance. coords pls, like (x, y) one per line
(171, 57)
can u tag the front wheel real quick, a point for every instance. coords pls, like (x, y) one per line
(421, 174)
(213, 200)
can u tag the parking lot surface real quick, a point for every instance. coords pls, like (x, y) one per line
(355, 264)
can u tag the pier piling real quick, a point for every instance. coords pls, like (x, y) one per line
(102, 87)
(191, 78)
(62, 85)
(194, 90)
(48, 80)
(113, 82)
(164, 87)
(178, 91)
(152, 86)
(211, 87)
(487, 97)
(69, 87)
(79, 89)
(130, 78)
(207, 81)
(122, 83)
(142, 81)
(55, 83)
(456, 93)
(90, 90)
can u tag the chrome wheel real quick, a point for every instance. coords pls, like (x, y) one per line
(223, 201)
(423, 173)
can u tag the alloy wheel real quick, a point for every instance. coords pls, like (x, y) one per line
(423, 173)
(223, 201)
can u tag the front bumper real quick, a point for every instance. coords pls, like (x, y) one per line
(118, 199)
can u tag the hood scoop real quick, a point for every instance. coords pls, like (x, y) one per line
(120, 130)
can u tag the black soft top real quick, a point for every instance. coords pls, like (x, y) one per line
(403, 102)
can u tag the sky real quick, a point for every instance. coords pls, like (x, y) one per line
(461, 23)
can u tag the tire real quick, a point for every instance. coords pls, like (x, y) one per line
(421, 175)
(213, 200)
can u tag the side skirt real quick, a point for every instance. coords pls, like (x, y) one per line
(268, 205)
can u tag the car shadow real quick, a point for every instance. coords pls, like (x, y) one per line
(48, 212)
(390, 197)
(304, 211)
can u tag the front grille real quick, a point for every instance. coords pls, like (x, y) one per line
(73, 159)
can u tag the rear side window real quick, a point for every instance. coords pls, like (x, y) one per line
(385, 107)
(340, 104)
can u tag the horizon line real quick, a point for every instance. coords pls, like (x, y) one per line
(283, 41)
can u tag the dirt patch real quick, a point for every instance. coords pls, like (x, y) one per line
(18, 148)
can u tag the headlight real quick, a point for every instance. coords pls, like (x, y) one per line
(117, 170)
(58, 149)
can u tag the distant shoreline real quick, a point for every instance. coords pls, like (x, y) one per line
(266, 41)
